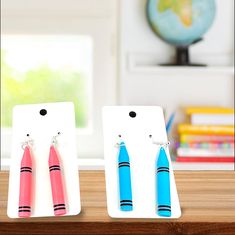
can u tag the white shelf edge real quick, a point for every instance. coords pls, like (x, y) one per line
(184, 69)
(203, 166)
(146, 63)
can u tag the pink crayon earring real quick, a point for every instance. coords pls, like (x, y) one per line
(56, 179)
(26, 171)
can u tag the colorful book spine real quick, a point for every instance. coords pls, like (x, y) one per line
(212, 119)
(204, 129)
(204, 159)
(187, 138)
(205, 152)
(208, 110)
(206, 145)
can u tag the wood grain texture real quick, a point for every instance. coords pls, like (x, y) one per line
(207, 201)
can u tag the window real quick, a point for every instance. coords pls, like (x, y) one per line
(90, 26)
(37, 69)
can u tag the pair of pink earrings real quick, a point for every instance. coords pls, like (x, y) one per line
(26, 170)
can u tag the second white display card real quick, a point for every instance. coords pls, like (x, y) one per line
(135, 124)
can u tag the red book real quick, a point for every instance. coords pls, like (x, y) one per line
(205, 159)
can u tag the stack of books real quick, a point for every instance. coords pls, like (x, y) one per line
(208, 137)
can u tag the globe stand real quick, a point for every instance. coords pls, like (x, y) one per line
(182, 58)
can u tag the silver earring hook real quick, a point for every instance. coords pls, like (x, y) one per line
(117, 145)
(54, 138)
(27, 142)
(161, 144)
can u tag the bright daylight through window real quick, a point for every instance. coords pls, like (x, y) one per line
(38, 69)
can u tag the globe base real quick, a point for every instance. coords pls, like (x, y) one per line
(183, 58)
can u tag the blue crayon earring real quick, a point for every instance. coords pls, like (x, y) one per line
(163, 199)
(124, 176)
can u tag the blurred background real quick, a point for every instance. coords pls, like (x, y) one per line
(116, 52)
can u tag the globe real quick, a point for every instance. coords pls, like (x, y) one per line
(181, 22)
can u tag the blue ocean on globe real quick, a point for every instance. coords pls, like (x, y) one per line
(180, 22)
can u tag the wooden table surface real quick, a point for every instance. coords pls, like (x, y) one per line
(207, 201)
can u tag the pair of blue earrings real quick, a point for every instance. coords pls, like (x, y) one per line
(163, 199)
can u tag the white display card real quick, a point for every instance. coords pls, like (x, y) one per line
(60, 117)
(135, 131)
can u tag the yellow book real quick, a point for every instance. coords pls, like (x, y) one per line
(208, 110)
(209, 138)
(205, 130)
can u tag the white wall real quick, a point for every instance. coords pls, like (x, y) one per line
(140, 46)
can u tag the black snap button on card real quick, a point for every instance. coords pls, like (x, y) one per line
(132, 114)
(43, 112)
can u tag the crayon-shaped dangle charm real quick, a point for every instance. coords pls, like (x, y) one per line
(124, 171)
(163, 184)
(56, 183)
(24, 209)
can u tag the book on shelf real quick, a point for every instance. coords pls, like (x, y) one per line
(208, 137)
(207, 145)
(212, 119)
(208, 110)
(205, 159)
(210, 115)
(205, 129)
(188, 138)
(205, 152)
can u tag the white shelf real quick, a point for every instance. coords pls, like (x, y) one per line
(203, 166)
(149, 63)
